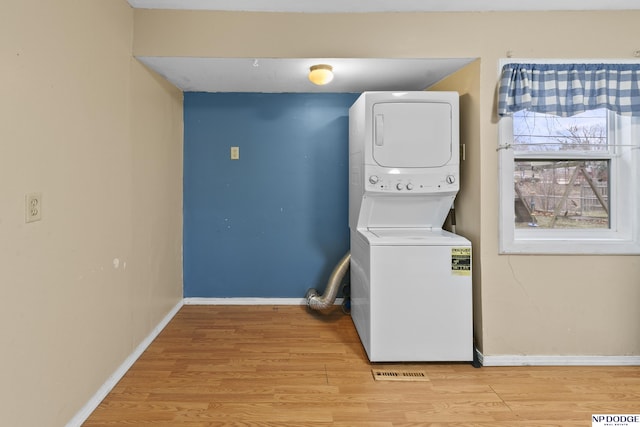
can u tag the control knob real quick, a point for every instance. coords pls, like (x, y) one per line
(399, 186)
(374, 179)
(409, 186)
(451, 179)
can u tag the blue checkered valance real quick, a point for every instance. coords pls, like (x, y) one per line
(568, 89)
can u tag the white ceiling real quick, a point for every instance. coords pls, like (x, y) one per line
(351, 75)
(350, 6)
(290, 75)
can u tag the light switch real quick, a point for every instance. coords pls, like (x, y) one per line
(235, 153)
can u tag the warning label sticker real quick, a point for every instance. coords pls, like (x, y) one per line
(461, 261)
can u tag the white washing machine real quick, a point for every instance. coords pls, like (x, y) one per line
(411, 295)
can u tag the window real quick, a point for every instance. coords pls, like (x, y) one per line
(569, 183)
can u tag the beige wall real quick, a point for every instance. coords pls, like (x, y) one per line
(529, 305)
(467, 83)
(101, 138)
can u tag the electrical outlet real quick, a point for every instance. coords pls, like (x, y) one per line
(235, 153)
(33, 207)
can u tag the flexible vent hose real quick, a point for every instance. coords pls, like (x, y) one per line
(326, 300)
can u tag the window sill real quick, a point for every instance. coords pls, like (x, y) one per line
(572, 247)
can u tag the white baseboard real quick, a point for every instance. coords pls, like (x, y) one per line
(499, 360)
(537, 360)
(111, 382)
(84, 413)
(250, 301)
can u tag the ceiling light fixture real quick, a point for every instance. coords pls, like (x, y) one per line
(320, 74)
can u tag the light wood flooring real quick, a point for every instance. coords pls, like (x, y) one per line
(287, 366)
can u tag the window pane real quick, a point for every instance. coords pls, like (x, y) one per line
(535, 132)
(561, 194)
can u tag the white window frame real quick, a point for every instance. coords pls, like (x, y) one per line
(623, 235)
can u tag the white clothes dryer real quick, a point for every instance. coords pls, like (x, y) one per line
(411, 291)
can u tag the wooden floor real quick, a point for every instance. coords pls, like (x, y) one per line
(286, 366)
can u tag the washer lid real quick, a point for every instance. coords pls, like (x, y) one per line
(412, 237)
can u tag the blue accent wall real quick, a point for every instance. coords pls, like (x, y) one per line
(275, 222)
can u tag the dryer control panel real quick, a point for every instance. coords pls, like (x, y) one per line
(383, 180)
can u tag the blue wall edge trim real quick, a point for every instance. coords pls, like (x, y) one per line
(250, 301)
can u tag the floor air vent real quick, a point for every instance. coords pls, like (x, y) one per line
(383, 375)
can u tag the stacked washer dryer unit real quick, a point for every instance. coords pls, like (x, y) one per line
(411, 297)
